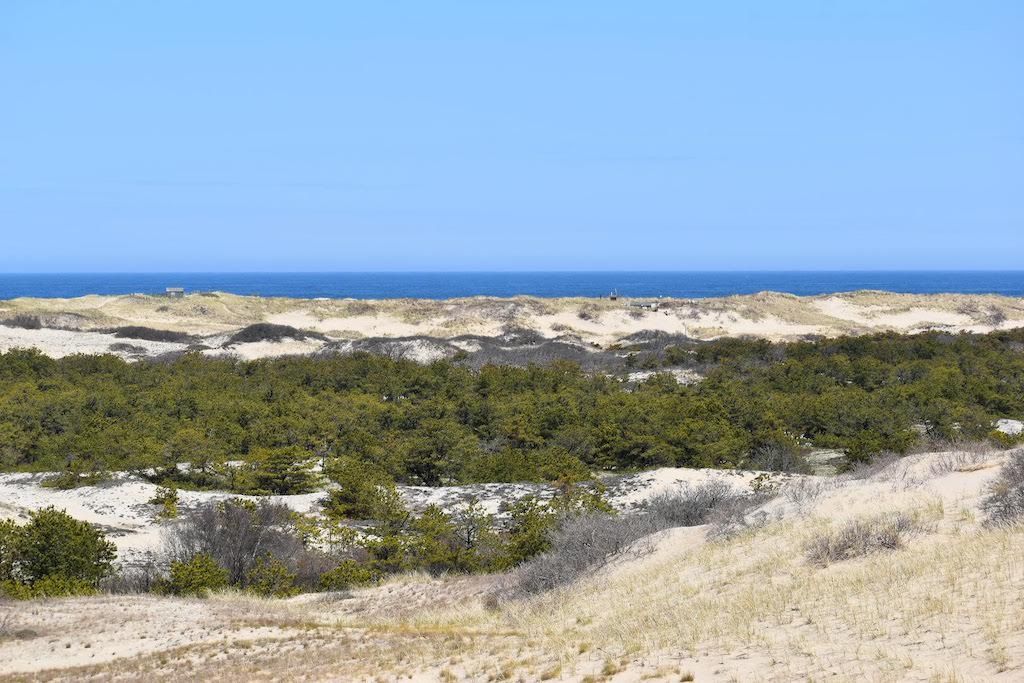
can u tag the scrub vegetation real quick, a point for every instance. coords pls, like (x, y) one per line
(260, 426)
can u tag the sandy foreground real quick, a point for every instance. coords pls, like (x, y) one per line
(948, 606)
(82, 325)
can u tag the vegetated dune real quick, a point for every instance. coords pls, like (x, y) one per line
(121, 506)
(425, 329)
(943, 602)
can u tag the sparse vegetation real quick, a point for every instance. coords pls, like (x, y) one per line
(1005, 502)
(861, 537)
(24, 321)
(166, 499)
(582, 541)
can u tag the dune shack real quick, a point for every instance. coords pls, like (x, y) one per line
(175, 291)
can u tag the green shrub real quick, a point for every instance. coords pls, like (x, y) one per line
(54, 543)
(15, 590)
(364, 492)
(198, 576)
(167, 498)
(276, 471)
(9, 549)
(58, 586)
(270, 577)
(529, 532)
(347, 574)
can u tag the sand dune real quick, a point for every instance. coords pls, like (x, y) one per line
(750, 607)
(84, 324)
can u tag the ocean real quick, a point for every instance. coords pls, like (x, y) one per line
(504, 284)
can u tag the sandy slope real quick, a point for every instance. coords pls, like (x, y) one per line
(588, 321)
(949, 606)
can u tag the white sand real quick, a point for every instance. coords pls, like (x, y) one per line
(60, 343)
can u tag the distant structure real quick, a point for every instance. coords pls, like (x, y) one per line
(646, 305)
(614, 295)
(175, 291)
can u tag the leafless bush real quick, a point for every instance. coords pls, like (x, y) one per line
(132, 580)
(774, 458)
(580, 545)
(861, 537)
(806, 490)
(689, 506)
(584, 543)
(237, 534)
(966, 458)
(1004, 504)
(875, 468)
(737, 514)
(995, 317)
(24, 321)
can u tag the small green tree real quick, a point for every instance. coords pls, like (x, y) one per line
(9, 549)
(529, 533)
(197, 577)
(54, 543)
(277, 471)
(167, 498)
(434, 543)
(270, 577)
(348, 574)
(364, 492)
(479, 544)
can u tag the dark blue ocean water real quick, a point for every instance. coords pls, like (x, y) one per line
(447, 285)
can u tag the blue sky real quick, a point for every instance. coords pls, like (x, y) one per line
(138, 136)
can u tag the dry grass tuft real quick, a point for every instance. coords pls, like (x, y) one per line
(861, 537)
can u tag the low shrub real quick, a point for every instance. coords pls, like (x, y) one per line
(963, 458)
(51, 544)
(269, 332)
(24, 321)
(691, 506)
(586, 539)
(806, 490)
(53, 555)
(271, 578)
(151, 334)
(166, 498)
(779, 458)
(60, 586)
(134, 580)
(197, 577)
(579, 545)
(278, 471)
(861, 537)
(1004, 504)
(348, 574)
(238, 534)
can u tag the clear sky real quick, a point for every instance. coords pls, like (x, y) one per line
(570, 135)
